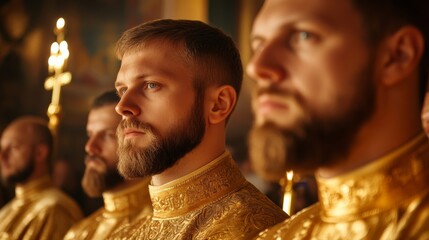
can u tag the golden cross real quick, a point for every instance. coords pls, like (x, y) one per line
(57, 62)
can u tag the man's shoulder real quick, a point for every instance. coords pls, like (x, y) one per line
(415, 220)
(295, 225)
(238, 215)
(249, 198)
(243, 213)
(134, 230)
(54, 199)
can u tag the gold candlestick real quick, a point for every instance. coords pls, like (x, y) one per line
(57, 63)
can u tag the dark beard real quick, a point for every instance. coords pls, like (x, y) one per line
(163, 152)
(95, 183)
(23, 174)
(318, 141)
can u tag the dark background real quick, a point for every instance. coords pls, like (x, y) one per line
(92, 28)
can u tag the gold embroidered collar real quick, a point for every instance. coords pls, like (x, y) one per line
(127, 199)
(198, 189)
(378, 186)
(35, 186)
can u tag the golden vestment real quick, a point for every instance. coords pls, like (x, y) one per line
(385, 199)
(38, 211)
(120, 207)
(213, 202)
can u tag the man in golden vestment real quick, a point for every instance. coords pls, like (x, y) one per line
(179, 81)
(39, 210)
(338, 93)
(124, 201)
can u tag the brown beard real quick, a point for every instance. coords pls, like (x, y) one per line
(163, 152)
(316, 141)
(94, 183)
(268, 153)
(22, 174)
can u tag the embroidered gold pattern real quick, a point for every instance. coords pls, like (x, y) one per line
(214, 202)
(39, 211)
(204, 188)
(120, 207)
(129, 199)
(377, 201)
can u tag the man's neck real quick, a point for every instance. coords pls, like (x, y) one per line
(189, 163)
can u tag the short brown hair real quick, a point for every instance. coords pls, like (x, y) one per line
(105, 98)
(213, 54)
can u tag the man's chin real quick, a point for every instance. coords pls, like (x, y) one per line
(277, 123)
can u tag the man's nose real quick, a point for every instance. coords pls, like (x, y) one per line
(267, 66)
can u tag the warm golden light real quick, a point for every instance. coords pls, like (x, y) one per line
(57, 63)
(61, 23)
(289, 175)
(288, 198)
(54, 48)
(63, 46)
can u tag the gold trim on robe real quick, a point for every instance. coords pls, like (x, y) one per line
(120, 207)
(213, 202)
(38, 211)
(385, 199)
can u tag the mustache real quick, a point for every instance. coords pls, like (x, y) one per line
(132, 123)
(273, 90)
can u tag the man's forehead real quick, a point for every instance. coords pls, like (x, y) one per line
(104, 116)
(12, 138)
(325, 11)
(152, 60)
(280, 17)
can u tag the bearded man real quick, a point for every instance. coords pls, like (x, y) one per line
(39, 210)
(179, 81)
(339, 91)
(124, 201)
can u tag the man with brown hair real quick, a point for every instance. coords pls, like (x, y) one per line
(339, 92)
(39, 210)
(179, 81)
(124, 201)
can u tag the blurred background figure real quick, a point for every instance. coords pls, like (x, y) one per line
(124, 201)
(6, 193)
(341, 96)
(39, 210)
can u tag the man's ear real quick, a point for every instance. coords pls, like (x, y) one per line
(222, 101)
(403, 51)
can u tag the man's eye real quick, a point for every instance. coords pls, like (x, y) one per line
(300, 39)
(121, 91)
(151, 85)
(304, 35)
(299, 36)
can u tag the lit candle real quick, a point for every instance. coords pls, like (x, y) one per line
(60, 23)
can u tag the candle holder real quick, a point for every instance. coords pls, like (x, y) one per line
(58, 76)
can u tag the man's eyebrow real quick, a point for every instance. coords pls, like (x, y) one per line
(136, 77)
